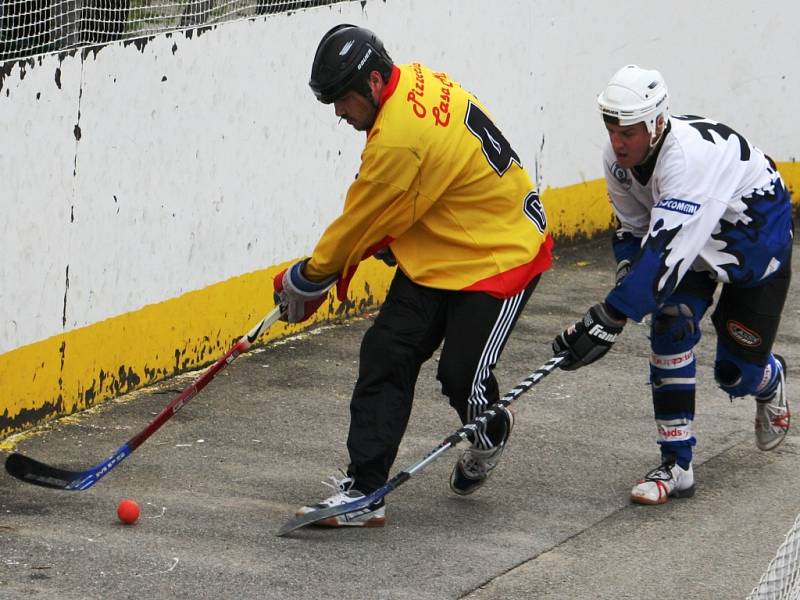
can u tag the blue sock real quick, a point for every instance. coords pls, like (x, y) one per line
(775, 368)
(682, 456)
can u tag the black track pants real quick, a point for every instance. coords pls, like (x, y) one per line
(411, 325)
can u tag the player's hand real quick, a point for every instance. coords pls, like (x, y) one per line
(387, 256)
(589, 339)
(299, 297)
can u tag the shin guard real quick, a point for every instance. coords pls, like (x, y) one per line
(674, 333)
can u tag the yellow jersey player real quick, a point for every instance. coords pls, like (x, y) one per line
(442, 194)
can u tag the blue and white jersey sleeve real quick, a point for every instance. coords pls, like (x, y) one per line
(717, 205)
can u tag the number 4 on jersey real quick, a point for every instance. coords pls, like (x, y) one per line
(501, 155)
(495, 146)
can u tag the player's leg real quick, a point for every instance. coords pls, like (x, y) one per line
(674, 332)
(747, 320)
(478, 326)
(405, 333)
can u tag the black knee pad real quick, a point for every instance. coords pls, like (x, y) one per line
(674, 329)
(736, 376)
(727, 374)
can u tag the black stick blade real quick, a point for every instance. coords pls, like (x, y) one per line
(32, 471)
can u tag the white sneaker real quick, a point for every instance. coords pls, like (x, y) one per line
(371, 516)
(475, 465)
(665, 481)
(772, 413)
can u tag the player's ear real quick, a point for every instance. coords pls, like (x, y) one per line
(376, 84)
(660, 124)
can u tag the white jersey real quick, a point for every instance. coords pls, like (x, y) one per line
(712, 202)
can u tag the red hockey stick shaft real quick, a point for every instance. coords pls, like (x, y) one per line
(38, 473)
(198, 384)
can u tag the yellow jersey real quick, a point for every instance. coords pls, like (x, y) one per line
(441, 185)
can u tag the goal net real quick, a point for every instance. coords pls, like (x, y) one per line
(781, 580)
(31, 27)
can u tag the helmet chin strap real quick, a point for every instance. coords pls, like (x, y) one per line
(655, 141)
(652, 150)
(653, 145)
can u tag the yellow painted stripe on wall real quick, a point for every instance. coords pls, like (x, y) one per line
(78, 369)
(578, 210)
(790, 171)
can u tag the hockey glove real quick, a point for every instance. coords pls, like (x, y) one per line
(589, 339)
(387, 256)
(298, 297)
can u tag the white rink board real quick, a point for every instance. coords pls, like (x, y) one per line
(201, 158)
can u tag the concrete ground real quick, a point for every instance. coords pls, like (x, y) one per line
(226, 472)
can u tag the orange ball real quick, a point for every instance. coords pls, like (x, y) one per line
(128, 511)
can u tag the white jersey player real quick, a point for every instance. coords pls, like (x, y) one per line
(697, 206)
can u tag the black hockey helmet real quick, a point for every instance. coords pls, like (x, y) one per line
(345, 57)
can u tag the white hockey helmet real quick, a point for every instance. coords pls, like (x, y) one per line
(635, 95)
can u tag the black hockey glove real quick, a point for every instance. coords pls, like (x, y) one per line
(387, 256)
(589, 339)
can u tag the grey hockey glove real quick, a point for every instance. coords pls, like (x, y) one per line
(590, 338)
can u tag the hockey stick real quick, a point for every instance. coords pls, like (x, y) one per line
(467, 431)
(37, 473)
